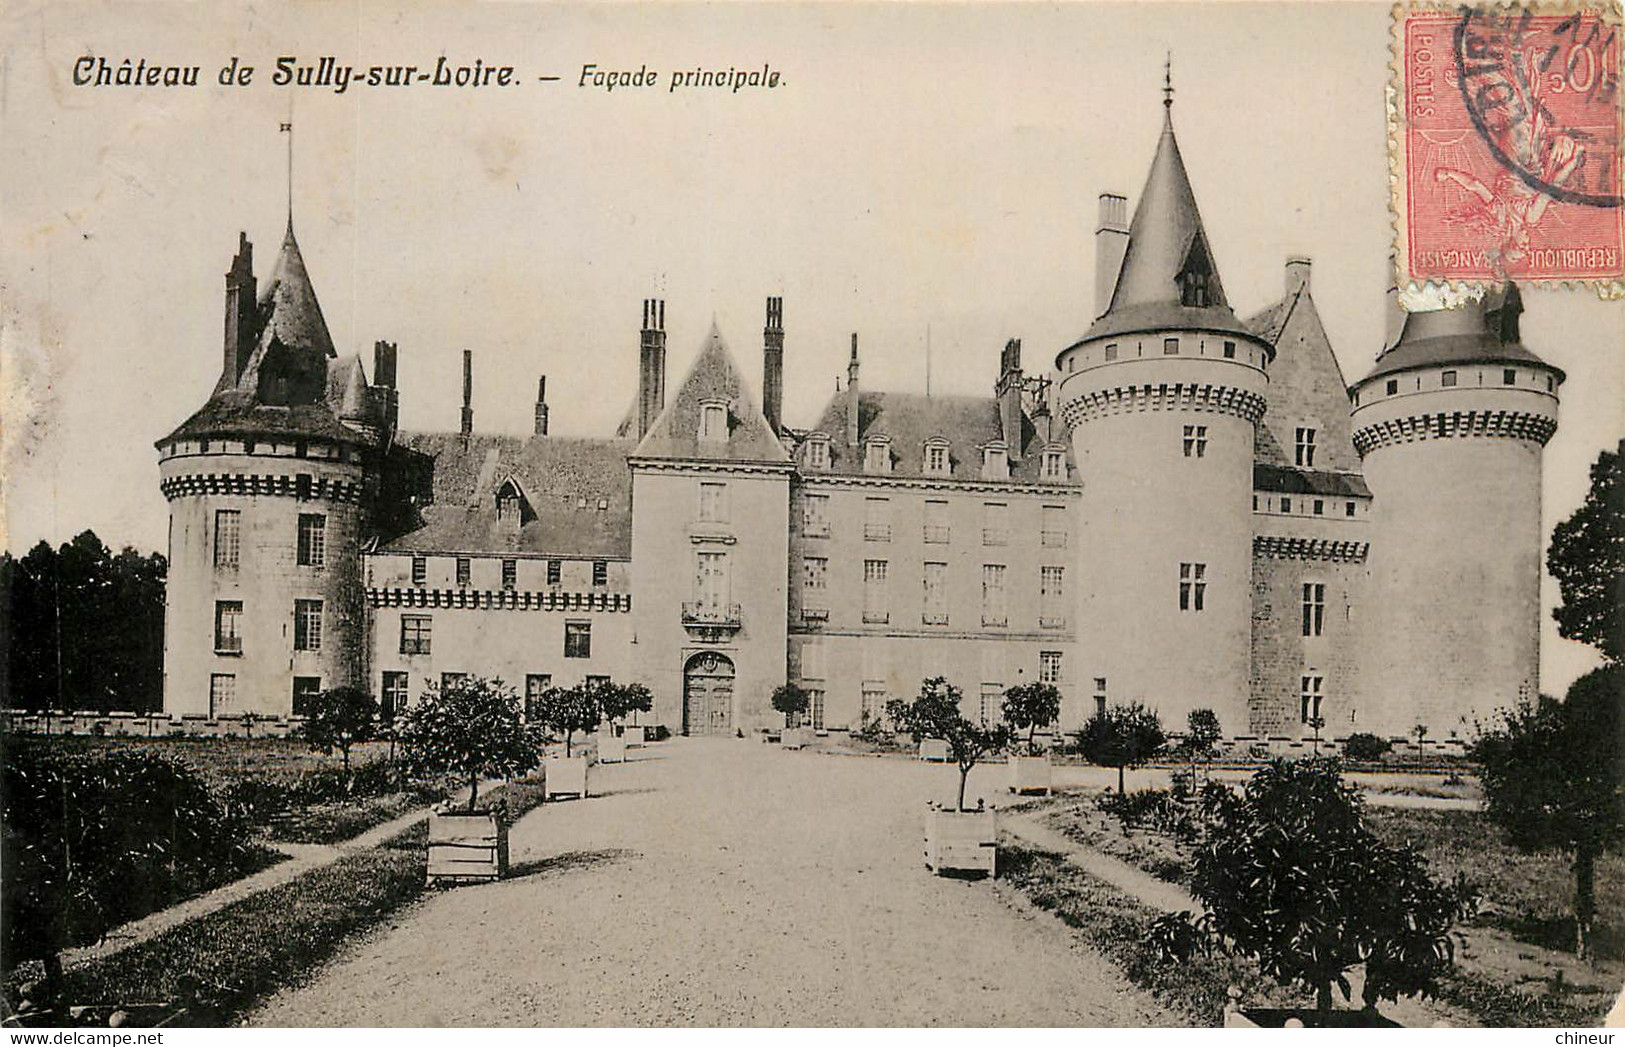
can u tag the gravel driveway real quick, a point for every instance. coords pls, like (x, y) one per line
(725, 883)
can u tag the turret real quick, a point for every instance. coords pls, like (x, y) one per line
(1451, 424)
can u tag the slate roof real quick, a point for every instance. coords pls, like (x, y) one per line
(713, 376)
(448, 488)
(910, 419)
(1478, 331)
(1287, 479)
(1306, 387)
(288, 301)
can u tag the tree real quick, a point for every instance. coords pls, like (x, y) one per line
(1029, 706)
(1292, 878)
(1554, 777)
(338, 718)
(1122, 736)
(1587, 557)
(935, 714)
(571, 709)
(792, 700)
(1202, 734)
(618, 700)
(472, 728)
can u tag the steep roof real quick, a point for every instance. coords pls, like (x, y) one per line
(908, 420)
(1306, 389)
(443, 491)
(1481, 330)
(1165, 239)
(288, 303)
(713, 377)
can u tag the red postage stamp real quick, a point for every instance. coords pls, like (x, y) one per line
(1505, 127)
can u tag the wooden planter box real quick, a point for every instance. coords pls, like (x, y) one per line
(467, 847)
(793, 737)
(611, 746)
(634, 737)
(961, 841)
(934, 749)
(566, 776)
(1030, 774)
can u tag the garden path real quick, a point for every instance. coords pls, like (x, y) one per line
(725, 883)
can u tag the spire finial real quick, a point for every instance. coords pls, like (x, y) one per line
(1168, 81)
(287, 128)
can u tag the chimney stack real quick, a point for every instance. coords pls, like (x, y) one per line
(773, 365)
(541, 406)
(651, 364)
(383, 377)
(468, 394)
(1111, 242)
(852, 395)
(239, 339)
(1008, 392)
(1297, 275)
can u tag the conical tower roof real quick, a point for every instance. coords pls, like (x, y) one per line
(288, 303)
(1167, 253)
(1480, 330)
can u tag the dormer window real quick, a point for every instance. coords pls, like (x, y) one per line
(817, 452)
(996, 461)
(1054, 465)
(714, 421)
(876, 457)
(936, 458)
(1196, 277)
(510, 504)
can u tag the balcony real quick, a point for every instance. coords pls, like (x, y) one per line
(711, 621)
(936, 534)
(872, 617)
(934, 618)
(815, 614)
(1051, 623)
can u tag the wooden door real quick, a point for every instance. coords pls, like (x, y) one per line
(708, 684)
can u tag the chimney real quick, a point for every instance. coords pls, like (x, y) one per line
(1043, 421)
(852, 395)
(383, 378)
(541, 406)
(1111, 242)
(239, 338)
(1297, 275)
(651, 364)
(1008, 392)
(773, 365)
(468, 394)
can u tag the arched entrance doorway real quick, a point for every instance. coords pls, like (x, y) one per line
(708, 694)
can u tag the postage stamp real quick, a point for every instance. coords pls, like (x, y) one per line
(1505, 139)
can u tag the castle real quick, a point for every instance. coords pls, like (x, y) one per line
(1193, 510)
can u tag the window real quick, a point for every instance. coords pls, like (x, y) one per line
(711, 582)
(1100, 696)
(1170, 347)
(815, 515)
(1111, 353)
(449, 680)
(312, 539)
(228, 636)
(1309, 699)
(393, 694)
(992, 699)
(875, 608)
(463, 570)
(1393, 386)
(416, 633)
(578, 639)
(876, 457)
(1320, 506)
(1314, 608)
(1192, 586)
(600, 573)
(815, 573)
(1054, 465)
(995, 523)
(510, 573)
(1448, 379)
(934, 611)
(936, 522)
(873, 709)
(1051, 597)
(420, 570)
(307, 625)
(995, 463)
(1053, 529)
(1509, 377)
(1230, 350)
(877, 519)
(555, 572)
(815, 707)
(1348, 508)
(813, 661)
(222, 693)
(713, 502)
(508, 504)
(1286, 505)
(227, 537)
(1305, 448)
(305, 689)
(535, 684)
(995, 608)
(818, 453)
(594, 682)
(936, 459)
(1196, 441)
(713, 422)
(1049, 667)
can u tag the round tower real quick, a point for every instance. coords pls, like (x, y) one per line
(268, 486)
(1161, 396)
(1451, 425)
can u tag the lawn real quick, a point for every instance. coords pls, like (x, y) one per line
(221, 761)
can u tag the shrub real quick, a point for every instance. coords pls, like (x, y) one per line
(935, 714)
(1365, 748)
(792, 700)
(337, 719)
(471, 728)
(1122, 736)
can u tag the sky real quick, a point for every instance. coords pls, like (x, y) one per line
(922, 174)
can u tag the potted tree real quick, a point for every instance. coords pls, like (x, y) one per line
(615, 703)
(472, 728)
(792, 700)
(567, 710)
(1201, 741)
(338, 718)
(1122, 736)
(1027, 707)
(956, 839)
